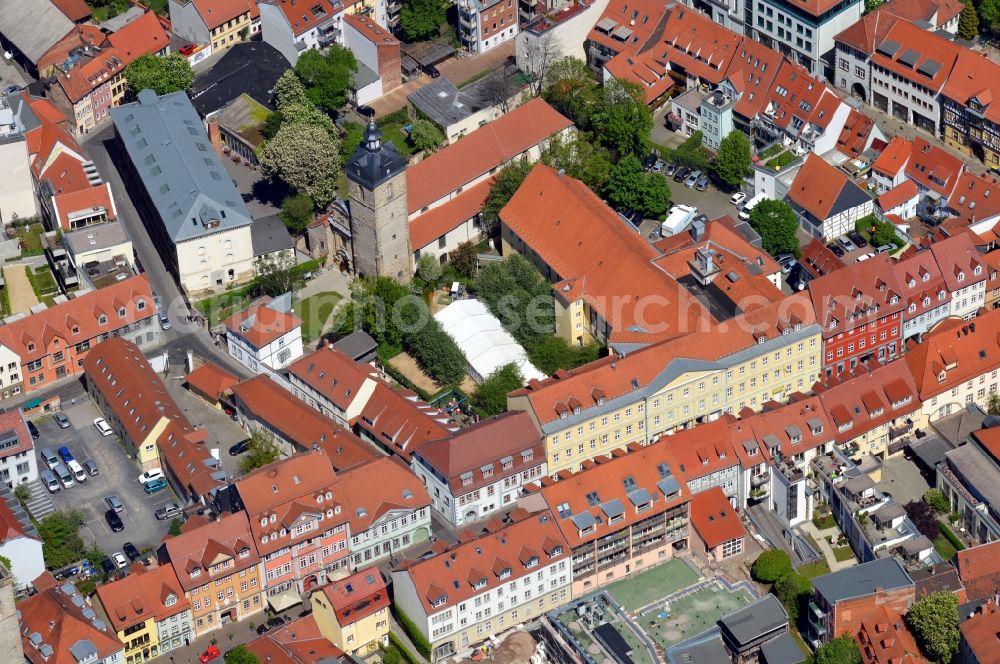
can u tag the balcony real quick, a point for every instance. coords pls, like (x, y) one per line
(468, 21)
(757, 480)
(815, 613)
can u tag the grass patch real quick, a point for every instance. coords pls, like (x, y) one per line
(314, 312)
(781, 160)
(258, 112)
(944, 548)
(770, 152)
(45, 281)
(949, 535)
(824, 521)
(219, 307)
(475, 77)
(842, 553)
(4, 301)
(158, 6)
(642, 589)
(31, 239)
(814, 569)
(392, 130)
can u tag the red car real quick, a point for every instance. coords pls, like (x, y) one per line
(209, 655)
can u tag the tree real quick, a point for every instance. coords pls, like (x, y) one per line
(304, 157)
(923, 517)
(289, 92)
(580, 157)
(655, 196)
(885, 234)
(500, 88)
(424, 135)
(327, 78)
(624, 188)
(538, 57)
(420, 19)
(175, 527)
(373, 302)
(937, 500)
(437, 353)
(732, 161)
(297, 212)
(771, 565)
(691, 153)
(841, 650)
(160, 73)
(573, 91)
(275, 274)
(272, 123)
(491, 396)
(519, 297)
(989, 14)
(775, 221)
(624, 122)
(872, 5)
(794, 591)
(353, 136)
(506, 184)
(465, 259)
(241, 655)
(934, 621)
(993, 403)
(61, 543)
(968, 22)
(23, 493)
(262, 451)
(429, 269)
(391, 655)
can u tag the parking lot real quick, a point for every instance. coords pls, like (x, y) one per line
(118, 475)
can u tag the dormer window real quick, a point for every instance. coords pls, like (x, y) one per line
(31, 347)
(481, 583)
(927, 301)
(893, 300)
(961, 276)
(196, 572)
(912, 308)
(531, 562)
(504, 573)
(576, 410)
(140, 305)
(600, 401)
(170, 600)
(76, 329)
(273, 518)
(121, 312)
(102, 320)
(978, 270)
(926, 276)
(440, 601)
(563, 414)
(912, 282)
(245, 552)
(263, 522)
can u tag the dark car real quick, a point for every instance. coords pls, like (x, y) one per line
(33, 430)
(432, 71)
(366, 111)
(114, 521)
(108, 565)
(239, 448)
(836, 249)
(132, 551)
(858, 239)
(681, 173)
(631, 216)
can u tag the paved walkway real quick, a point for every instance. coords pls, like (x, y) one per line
(819, 536)
(397, 98)
(460, 69)
(19, 290)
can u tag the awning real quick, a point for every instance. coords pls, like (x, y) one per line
(34, 403)
(284, 600)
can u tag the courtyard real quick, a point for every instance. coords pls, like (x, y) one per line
(640, 590)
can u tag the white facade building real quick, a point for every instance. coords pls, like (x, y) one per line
(17, 450)
(266, 337)
(802, 31)
(295, 29)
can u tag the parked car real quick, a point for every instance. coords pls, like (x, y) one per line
(692, 178)
(114, 521)
(670, 170)
(168, 512)
(65, 477)
(50, 480)
(33, 430)
(156, 301)
(102, 426)
(702, 183)
(212, 652)
(115, 503)
(61, 420)
(49, 457)
(786, 262)
(154, 486)
(119, 559)
(132, 551)
(885, 248)
(91, 468)
(150, 475)
(108, 565)
(846, 243)
(737, 198)
(659, 166)
(65, 454)
(79, 474)
(239, 448)
(836, 249)
(164, 321)
(858, 239)
(681, 173)
(433, 72)
(11, 89)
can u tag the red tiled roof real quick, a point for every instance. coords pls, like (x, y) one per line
(82, 313)
(211, 380)
(188, 459)
(980, 633)
(979, 569)
(142, 594)
(300, 19)
(855, 133)
(856, 294)
(298, 423)
(371, 30)
(481, 152)
(84, 199)
(334, 375)
(635, 21)
(13, 421)
(298, 642)
(894, 157)
(10, 527)
(216, 12)
(429, 226)
(884, 639)
(819, 260)
(933, 168)
(714, 518)
(779, 423)
(75, 10)
(854, 403)
(952, 350)
(228, 535)
(935, 12)
(957, 255)
(694, 43)
(357, 596)
(905, 191)
(928, 47)
(975, 198)
(644, 69)
(142, 36)
(60, 622)
(517, 549)
(397, 488)
(921, 283)
(259, 324)
(867, 33)
(460, 458)
(400, 420)
(817, 186)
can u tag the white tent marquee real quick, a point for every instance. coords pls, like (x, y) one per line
(486, 345)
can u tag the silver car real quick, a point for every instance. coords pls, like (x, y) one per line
(168, 511)
(115, 503)
(692, 178)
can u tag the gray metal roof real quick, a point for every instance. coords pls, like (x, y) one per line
(706, 648)
(95, 238)
(931, 451)
(268, 235)
(782, 650)
(374, 162)
(974, 468)
(118, 22)
(33, 26)
(363, 77)
(356, 344)
(444, 104)
(83, 650)
(171, 152)
(863, 579)
(755, 620)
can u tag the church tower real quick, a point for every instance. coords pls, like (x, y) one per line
(380, 231)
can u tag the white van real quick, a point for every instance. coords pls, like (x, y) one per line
(78, 472)
(744, 214)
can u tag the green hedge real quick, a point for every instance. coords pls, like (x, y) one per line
(950, 536)
(403, 650)
(418, 639)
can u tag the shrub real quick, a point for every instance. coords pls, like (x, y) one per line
(419, 640)
(771, 565)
